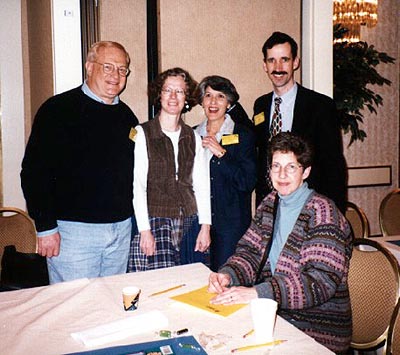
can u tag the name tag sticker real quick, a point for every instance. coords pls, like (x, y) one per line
(132, 134)
(231, 139)
(260, 118)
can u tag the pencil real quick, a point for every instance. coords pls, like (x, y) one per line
(167, 290)
(248, 333)
(249, 347)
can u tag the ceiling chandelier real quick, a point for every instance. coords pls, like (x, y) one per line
(352, 14)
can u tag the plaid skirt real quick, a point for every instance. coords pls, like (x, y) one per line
(175, 240)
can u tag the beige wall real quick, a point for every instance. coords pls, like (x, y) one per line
(124, 21)
(222, 37)
(12, 101)
(381, 147)
(37, 56)
(225, 38)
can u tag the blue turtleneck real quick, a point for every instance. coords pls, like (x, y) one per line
(288, 211)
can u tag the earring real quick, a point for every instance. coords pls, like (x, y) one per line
(187, 105)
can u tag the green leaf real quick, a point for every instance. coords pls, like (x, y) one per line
(353, 70)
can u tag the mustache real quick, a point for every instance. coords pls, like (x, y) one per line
(279, 72)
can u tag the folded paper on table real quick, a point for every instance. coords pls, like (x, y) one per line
(122, 329)
(200, 298)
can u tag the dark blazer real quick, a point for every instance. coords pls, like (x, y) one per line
(233, 178)
(315, 119)
(239, 115)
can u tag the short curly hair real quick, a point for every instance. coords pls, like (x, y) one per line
(288, 142)
(156, 86)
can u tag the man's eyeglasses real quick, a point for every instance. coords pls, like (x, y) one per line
(290, 168)
(169, 92)
(109, 68)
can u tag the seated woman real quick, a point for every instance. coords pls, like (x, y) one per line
(296, 251)
(231, 150)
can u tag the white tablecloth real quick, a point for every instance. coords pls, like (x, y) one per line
(386, 242)
(41, 320)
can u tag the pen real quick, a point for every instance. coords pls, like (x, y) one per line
(249, 347)
(248, 333)
(182, 331)
(167, 290)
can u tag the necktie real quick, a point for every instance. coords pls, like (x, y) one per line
(275, 128)
(276, 124)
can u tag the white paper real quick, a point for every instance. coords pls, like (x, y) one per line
(122, 329)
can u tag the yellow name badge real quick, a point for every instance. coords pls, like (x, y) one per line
(260, 118)
(231, 139)
(132, 134)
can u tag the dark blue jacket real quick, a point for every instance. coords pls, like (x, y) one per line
(233, 178)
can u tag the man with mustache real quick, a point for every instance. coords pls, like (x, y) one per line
(292, 107)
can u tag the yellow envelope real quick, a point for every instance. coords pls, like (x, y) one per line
(200, 298)
(230, 139)
(260, 118)
(132, 134)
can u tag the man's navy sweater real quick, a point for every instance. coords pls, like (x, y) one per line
(78, 164)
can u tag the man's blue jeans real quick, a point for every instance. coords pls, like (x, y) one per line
(90, 250)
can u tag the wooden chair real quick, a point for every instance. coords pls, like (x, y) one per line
(374, 280)
(393, 343)
(17, 228)
(358, 220)
(21, 266)
(389, 213)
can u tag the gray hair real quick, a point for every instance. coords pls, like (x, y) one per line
(94, 50)
(217, 83)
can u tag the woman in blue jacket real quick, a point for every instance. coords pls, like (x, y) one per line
(231, 150)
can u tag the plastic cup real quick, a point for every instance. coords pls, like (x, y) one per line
(263, 314)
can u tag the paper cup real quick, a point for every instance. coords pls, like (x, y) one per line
(263, 314)
(130, 296)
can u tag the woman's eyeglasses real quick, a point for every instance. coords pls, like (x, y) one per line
(290, 168)
(169, 92)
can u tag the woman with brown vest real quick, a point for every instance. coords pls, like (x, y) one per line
(171, 181)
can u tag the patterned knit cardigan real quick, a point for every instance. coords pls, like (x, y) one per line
(310, 279)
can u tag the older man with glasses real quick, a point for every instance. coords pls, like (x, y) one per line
(77, 173)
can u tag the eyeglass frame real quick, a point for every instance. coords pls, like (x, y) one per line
(293, 167)
(169, 92)
(122, 71)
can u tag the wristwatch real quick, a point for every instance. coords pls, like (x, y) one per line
(221, 153)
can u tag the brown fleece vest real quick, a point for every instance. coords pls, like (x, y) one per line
(167, 195)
